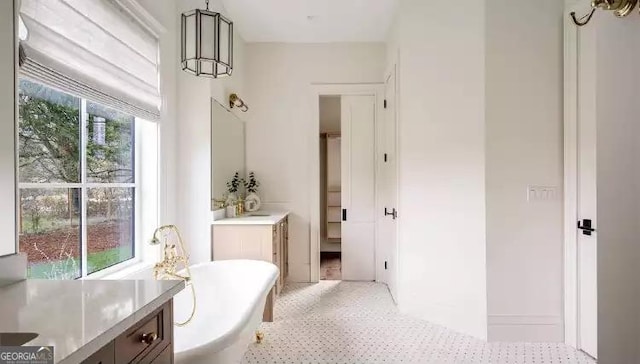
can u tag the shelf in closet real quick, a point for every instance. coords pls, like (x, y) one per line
(334, 199)
(332, 188)
(334, 231)
(334, 213)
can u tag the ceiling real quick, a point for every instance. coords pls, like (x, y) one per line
(311, 21)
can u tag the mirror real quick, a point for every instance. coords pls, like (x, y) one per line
(227, 150)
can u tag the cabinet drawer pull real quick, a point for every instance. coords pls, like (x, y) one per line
(148, 338)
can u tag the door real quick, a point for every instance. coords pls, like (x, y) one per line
(358, 188)
(586, 192)
(387, 240)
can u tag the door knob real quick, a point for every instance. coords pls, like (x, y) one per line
(586, 227)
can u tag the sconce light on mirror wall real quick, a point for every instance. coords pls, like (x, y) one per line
(620, 8)
(235, 101)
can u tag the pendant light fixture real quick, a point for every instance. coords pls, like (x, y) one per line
(207, 43)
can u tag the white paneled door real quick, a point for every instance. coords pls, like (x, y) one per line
(358, 188)
(587, 237)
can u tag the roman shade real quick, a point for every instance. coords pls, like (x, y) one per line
(93, 49)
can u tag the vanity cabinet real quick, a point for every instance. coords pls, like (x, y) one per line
(265, 239)
(280, 234)
(148, 341)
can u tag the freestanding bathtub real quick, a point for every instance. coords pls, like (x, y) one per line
(230, 300)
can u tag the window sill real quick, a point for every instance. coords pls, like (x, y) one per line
(134, 270)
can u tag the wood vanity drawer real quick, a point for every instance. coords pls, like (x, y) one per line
(165, 357)
(145, 341)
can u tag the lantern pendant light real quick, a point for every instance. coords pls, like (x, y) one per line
(207, 43)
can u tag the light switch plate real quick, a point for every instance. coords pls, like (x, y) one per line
(542, 193)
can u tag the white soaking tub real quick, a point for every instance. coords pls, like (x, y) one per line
(230, 300)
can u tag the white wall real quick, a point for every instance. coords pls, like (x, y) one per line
(7, 130)
(441, 253)
(618, 170)
(278, 146)
(12, 267)
(524, 147)
(194, 143)
(185, 131)
(164, 11)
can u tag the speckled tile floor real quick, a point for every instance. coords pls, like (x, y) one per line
(354, 322)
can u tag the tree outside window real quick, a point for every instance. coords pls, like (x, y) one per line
(77, 183)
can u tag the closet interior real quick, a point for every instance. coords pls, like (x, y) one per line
(330, 188)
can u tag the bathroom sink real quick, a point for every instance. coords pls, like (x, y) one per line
(16, 338)
(263, 214)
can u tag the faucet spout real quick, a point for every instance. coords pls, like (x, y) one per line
(174, 257)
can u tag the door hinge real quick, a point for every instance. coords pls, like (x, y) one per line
(385, 104)
(386, 158)
(344, 214)
(385, 264)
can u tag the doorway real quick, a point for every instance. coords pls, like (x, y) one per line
(344, 205)
(330, 188)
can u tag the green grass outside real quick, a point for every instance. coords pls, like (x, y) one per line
(69, 268)
(46, 224)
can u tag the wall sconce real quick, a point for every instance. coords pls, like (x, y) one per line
(207, 43)
(620, 8)
(235, 101)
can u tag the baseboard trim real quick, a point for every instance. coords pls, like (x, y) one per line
(525, 319)
(299, 273)
(532, 328)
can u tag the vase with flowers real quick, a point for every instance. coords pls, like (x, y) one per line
(252, 201)
(232, 189)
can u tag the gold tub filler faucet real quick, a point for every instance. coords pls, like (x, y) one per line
(175, 261)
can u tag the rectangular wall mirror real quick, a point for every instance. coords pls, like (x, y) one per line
(227, 150)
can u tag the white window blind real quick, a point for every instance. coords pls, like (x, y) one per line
(94, 49)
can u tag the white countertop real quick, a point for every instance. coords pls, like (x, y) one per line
(272, 218)
(81, 316)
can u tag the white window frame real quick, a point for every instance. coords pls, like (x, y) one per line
(83, 186)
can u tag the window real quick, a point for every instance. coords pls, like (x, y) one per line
(77, 182)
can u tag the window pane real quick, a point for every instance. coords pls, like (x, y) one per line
(49, 135)
(110, 227)
(109, 145)
(50, 232)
